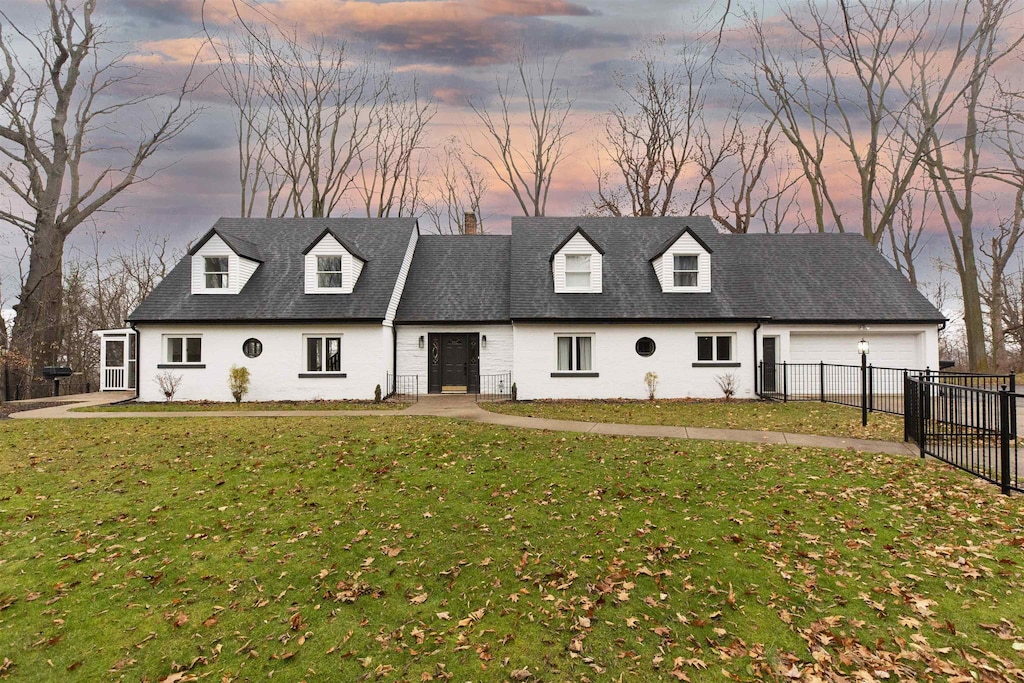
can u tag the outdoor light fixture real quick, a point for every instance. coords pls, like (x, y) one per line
(421, 341)
(863, 347)
(483, 341)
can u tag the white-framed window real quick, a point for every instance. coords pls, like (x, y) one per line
(183, 349)
(215, 271)
(329, 272)
(323, 353)
(577, 271)
(716, 348)
(684, 270)
(574, 352)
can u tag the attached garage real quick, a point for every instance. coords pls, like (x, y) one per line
(888, 350)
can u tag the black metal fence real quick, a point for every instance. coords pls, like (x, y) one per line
(970, 427)
(495, 387)
(881, 388)
(403, 387)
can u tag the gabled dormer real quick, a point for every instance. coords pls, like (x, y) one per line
(331, 266)
(576, 264)
(222, 263)
(684, 264)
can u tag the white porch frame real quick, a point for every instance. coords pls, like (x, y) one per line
(118, 358)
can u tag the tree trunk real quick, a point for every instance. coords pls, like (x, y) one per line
(37, 331)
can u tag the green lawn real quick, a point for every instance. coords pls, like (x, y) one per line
(419, 549)
(175, 406)
(796, 418)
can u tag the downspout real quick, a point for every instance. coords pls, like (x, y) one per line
(394, 357)
(756, 328)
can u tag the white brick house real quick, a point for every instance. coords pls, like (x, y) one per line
(563, 307)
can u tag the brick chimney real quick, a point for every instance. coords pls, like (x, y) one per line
(469, 223)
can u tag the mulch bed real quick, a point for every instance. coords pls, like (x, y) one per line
(7, 408)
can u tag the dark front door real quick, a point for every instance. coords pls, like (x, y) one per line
(453, 364)
(768, 346)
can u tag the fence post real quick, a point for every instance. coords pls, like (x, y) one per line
(821, 380)
(785, 383)
(1004, 439)
(906, 407)
(921, 398)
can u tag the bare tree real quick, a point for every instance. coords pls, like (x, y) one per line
(61, 124)
(955, 164)
(747, 182)
(390, 170)
(459, 188)
(653, 134)
(527, 168)
(838, 94)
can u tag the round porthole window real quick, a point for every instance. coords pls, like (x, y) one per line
(645, 346)
(252, 348)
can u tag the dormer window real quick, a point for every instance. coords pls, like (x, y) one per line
(222, 263)
(332, 266)
(329, 271)
(216, 272)
(576, 264)
(683, 264)
(684, 270)
(577, 271)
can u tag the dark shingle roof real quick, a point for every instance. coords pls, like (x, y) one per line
(458, 278)
(243, 248)
(275, 291)
(806, 277)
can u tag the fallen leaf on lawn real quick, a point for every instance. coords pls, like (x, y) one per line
(418, 599)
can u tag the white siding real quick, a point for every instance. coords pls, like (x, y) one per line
(685, 245)
(351, 267)
(621, 369)
(495, 358)
(577, 245)
(403, 275)
(239, 269)
(365, 357)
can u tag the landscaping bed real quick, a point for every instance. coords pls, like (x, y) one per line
(176, 406)
(427, 549)
(772, 416)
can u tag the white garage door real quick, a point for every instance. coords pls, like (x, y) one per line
(887, 350)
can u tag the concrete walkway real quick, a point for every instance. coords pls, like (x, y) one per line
(463, 407)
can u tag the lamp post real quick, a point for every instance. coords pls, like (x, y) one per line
(863, 348)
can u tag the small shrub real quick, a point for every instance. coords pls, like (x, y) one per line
(376, 394)
(168, 383)
(651, 380)
(238, 382)
(515, 391)
(728, 384)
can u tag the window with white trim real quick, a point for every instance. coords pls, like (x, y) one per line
(575, 353)
(216, 272)
(329, 272)
(684, 270)
(323, 353)
(716, 348)
(183, 349)
(577, 271)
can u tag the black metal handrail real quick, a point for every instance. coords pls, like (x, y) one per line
(403, 387)
(495, 387)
